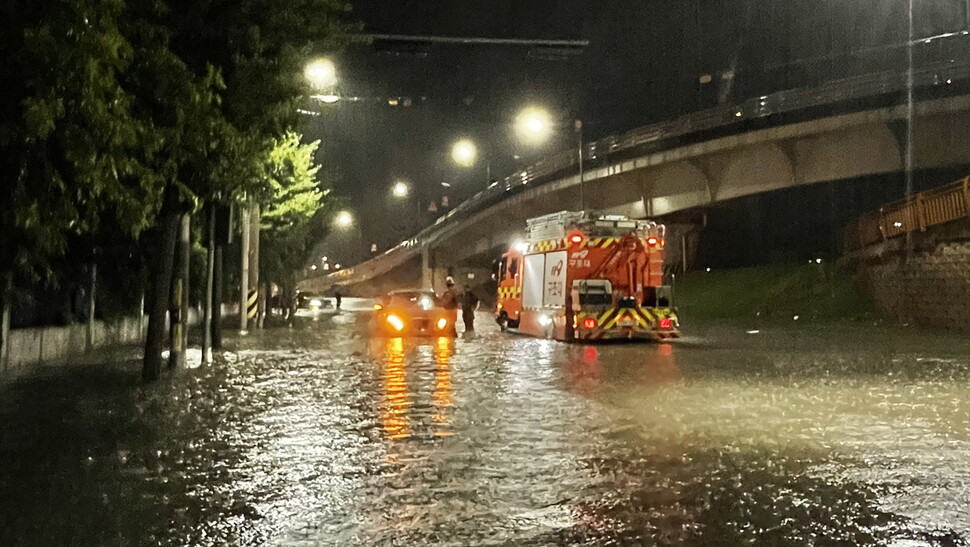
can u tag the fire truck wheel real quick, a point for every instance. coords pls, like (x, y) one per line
(503, 322)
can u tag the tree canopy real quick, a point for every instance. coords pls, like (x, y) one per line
(109, 106)
(294, 218)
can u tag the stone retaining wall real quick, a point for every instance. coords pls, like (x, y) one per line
(928, 286)
(55, 345)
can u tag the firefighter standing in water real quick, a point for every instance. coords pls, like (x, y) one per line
(469, 303)
(450, 299)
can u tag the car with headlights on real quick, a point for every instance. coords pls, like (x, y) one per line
(309, 302)
(412, 312)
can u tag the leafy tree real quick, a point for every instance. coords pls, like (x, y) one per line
(227, 78)
(293, 220)
(67, 135)
(66, 130)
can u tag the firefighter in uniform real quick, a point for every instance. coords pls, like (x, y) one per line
(450, 299)
(469, 303)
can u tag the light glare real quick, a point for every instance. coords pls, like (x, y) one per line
(321, 73)
(344, 219)
(533, 125)
(464, 153)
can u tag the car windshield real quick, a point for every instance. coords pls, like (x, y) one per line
(422, 299)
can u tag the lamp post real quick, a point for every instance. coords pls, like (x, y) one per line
(534, 125)
(578, 126)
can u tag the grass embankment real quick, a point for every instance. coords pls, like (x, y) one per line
(817, 293)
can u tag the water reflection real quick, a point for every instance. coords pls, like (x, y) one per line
(660, 366)
(396, 399)
(589, 370)
(583, 372)
(443, 399)
(402, 411)
(300, 439)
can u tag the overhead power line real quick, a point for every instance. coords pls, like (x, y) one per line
(471, 40)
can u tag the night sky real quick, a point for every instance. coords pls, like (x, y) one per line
(643, 65)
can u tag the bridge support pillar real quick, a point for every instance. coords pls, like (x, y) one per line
(427, 269)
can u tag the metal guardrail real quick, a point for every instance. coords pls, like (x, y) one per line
(938, 73)
(917, 213)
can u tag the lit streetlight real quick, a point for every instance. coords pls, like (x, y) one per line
(321, 73)
(464, 152)
(533, 125)
(344, 219)
(400, 189)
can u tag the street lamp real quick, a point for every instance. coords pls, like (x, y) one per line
(533, 125)
(344, 219)
(400, 189)
(464, 152)
(321, 73)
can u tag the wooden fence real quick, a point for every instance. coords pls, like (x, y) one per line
(917, 213)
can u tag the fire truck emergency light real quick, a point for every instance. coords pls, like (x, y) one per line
(589, 323)
(665, 323)
(576, 239)
(652, 241)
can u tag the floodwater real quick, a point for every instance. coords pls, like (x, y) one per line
(318, 435)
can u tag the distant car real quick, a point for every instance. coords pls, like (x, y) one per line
(412, 312)
(312, 302)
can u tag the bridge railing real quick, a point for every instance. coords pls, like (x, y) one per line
(917, 213)
(938, 73)
(942, 72)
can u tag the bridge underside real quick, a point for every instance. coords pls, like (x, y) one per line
(691, 177)
(831, 149)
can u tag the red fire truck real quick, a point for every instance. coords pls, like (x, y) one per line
(581, 276)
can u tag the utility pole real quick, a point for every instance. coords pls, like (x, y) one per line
(255, 304)
(578, 124)
(244, 277)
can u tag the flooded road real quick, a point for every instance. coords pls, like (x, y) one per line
(318, 435)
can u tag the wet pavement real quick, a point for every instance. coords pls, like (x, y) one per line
(319, 435)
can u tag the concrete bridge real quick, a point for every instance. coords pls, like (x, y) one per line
(845, 129)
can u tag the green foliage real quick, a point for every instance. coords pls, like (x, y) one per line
(771, 295)
(292, 219)
(67, 134)
(107, 103)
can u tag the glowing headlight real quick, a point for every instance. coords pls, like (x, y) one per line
(545, 320)
(316, 303)
(425, 303)
(396, 322)
(442, 323)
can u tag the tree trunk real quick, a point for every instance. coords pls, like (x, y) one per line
(92, 288)
(210, 244)
(6, 293)
(179, 312)
(160, 280)
(217, 299)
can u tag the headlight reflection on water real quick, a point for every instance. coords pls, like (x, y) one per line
(397, 401)
(400, 416)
